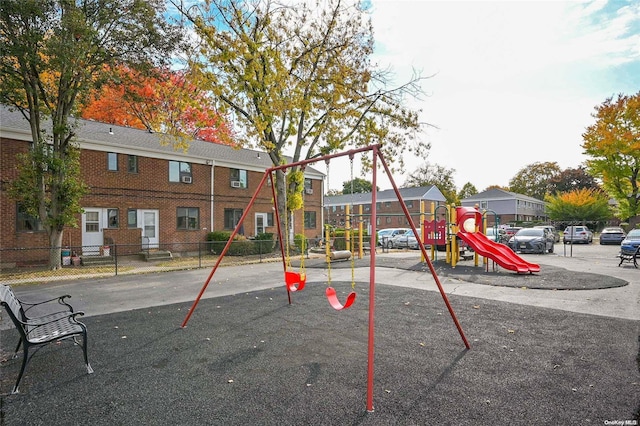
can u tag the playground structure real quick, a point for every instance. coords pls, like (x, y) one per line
(466, 224)
(469, 220)
(295, 281)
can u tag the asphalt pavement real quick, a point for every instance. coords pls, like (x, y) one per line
(561, 353)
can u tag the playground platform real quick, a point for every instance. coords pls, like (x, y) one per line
(250, 358)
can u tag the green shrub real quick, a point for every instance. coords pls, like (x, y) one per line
(300, 242)
(241, 247)
(217, 241)
(264, 243)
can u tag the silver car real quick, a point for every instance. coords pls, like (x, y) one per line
(577, 234)
(406, 240)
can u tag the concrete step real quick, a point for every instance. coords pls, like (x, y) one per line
(155, 255)
(96, 260)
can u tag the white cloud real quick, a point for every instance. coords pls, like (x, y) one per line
(515, 82)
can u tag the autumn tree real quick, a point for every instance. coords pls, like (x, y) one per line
(299, 79)
(578, 205)
(53, 52)
(613, 145)
(534, 179)
(468, 189)
(572, 179)
(356, 186)
(436, 175)
(165, 102)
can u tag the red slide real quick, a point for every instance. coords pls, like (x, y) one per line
(499, 253)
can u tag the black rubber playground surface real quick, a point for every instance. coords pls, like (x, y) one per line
(253, 359)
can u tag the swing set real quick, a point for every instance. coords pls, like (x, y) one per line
(295, 281)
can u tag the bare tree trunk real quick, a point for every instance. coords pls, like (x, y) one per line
(282, 204)
(55, 250)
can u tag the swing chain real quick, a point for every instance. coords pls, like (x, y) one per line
(353, 257)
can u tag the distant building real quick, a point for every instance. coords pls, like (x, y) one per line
(388, 210)
(507, 206)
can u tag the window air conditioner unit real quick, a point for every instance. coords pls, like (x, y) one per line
(236, 184)
(308, 191)
(186, 179)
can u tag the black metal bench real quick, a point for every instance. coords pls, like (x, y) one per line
(630, 257)
(38, 331)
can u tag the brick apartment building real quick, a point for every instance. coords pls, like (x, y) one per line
(143, 193)
(388, 210)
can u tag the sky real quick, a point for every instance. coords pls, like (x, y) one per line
(512, 83)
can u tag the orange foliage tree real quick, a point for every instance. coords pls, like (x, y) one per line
(584, 204)
(164, 102)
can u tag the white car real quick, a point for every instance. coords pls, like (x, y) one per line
(386, 235)
(406, 239)
(496, 234)
(577, 234)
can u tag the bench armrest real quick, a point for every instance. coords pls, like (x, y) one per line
(42, 321)
(61, 300)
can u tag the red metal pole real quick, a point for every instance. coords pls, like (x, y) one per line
(224, 251)
(424, 253)
(372, 284)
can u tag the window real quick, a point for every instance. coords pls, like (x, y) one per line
(188, 218)
(179, 171)
(231, 218)
(483, 205)
(112, 218)
(26, 222)
(132, 218)
(409, 204)
(387, 203)
(308, 185)
(389, 219)
(270, 221)
(309, 220)
(239, 178)
(112, 161)
(132, 164)
(367, 208)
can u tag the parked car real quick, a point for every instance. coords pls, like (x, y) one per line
(532, 240)
(496, 234)
(631, 242)
(407, 240)
(386, 235)
(612, 235)
(577, 234)
(552, 229)
(511, 231)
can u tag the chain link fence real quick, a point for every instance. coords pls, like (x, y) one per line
(31, 265)
(26, 265)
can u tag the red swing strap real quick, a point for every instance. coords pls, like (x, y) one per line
(293, 278)
(335, 303)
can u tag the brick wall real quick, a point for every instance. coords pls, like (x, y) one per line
(389, 214)
(148, 188)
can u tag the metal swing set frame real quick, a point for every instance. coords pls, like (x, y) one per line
(377, 155)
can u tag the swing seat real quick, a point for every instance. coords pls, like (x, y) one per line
(335, 303)
(293, 278)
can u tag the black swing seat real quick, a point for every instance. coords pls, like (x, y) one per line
(37, 331)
